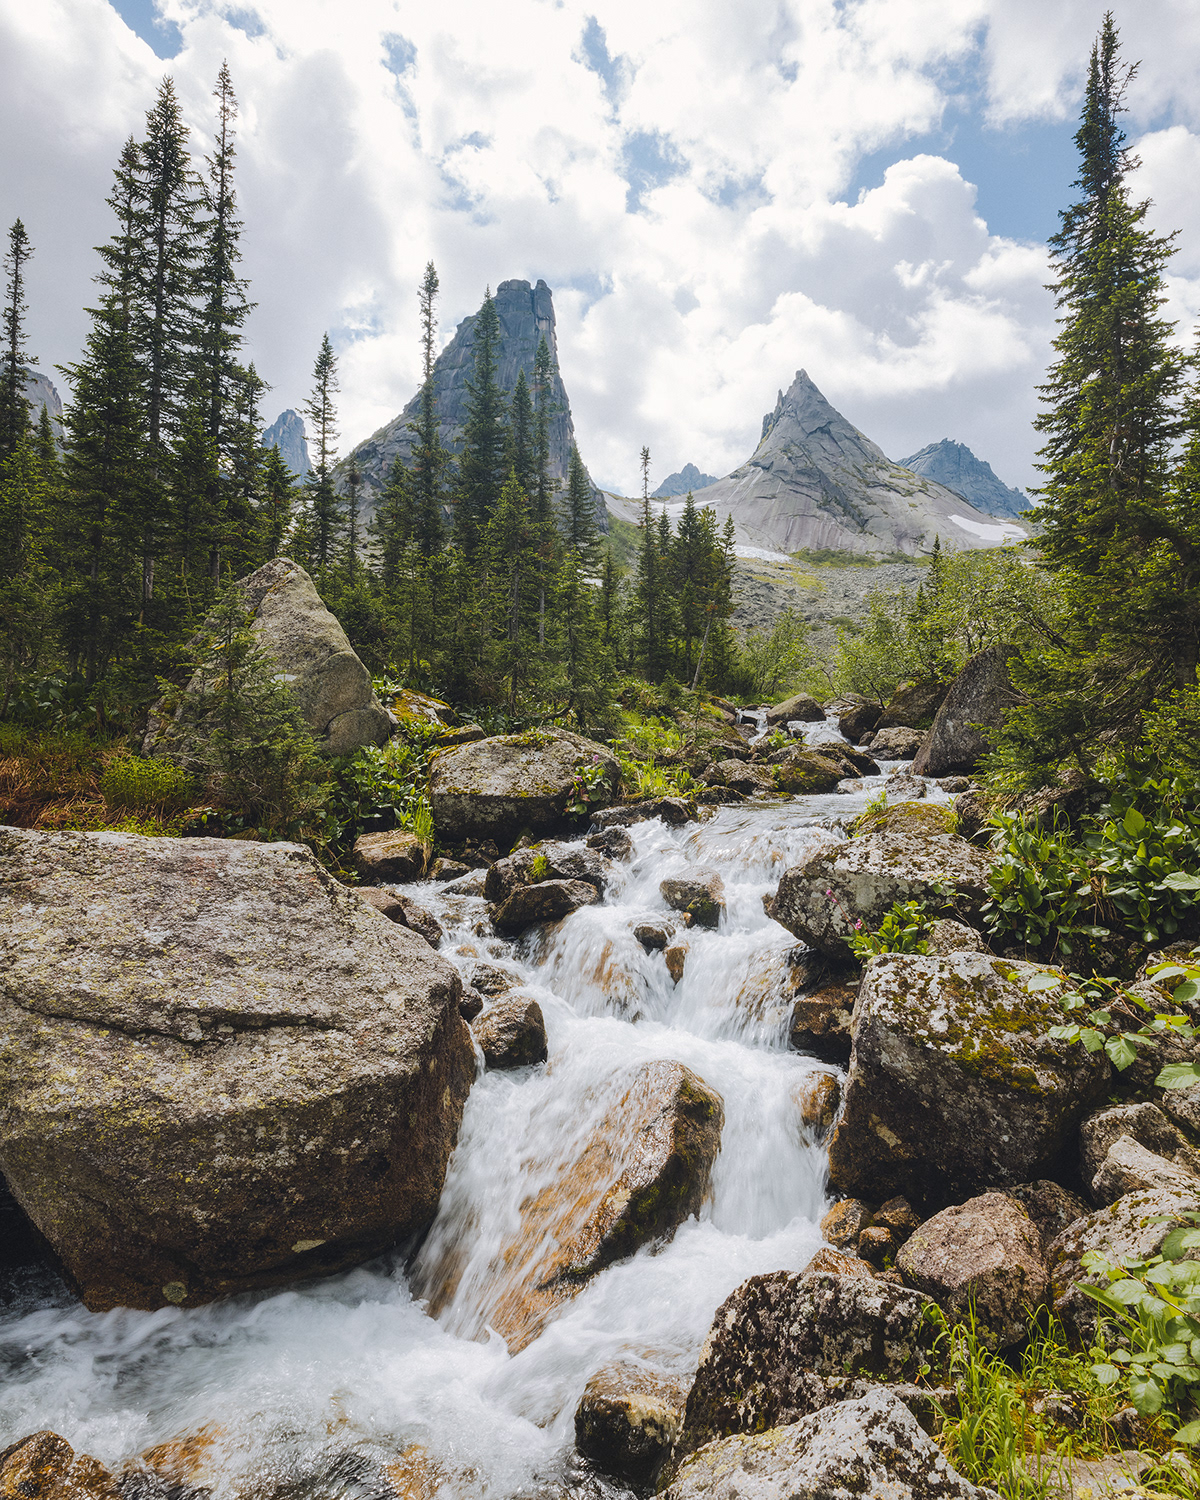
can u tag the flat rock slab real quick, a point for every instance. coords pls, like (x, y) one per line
(220, 1069)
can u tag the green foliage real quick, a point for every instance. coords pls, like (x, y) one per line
(773, 663)
(132, 781)
(539, 869)
(902, 930)
(589, 780)
(378, 788)
(643, 779)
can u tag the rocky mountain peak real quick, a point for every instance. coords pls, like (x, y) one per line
(287, 433)
(954, 465)
(687, 478)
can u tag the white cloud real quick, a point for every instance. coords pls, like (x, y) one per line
(685, 198)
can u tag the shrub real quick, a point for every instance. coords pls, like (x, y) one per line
(901, 931)
(133, 782)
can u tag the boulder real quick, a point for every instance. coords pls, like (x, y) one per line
(471, 1004)
(914, 704)
(872, 1446)
(44, 1466)
(845, 1221)
(548, 901)
(977, 701)
(973, 809)
(700, 894)
(894, 744)
(836, 1264)
(418, 711)
(1182, 1107)
(511, 784)
(945, 936)
(1050, 1206)
(902, 787)
(396, 856)
(801, 707)
(809, 772)
(613, 843)
(673, 811)
(628, 1419)
(955, 1086)
(466, 734)
(546, 861)
(849, 761)
(820, 1023)
(775, 1332)
(987, 1254)
(493, 981)
(511, 1033)
(654, 936)
(742, 775)
(1145, 1123)
(843, 887)
(675, 957)
(404, 912)
(220, 1070)
(818, 1099)
(1128, 1167)
(313, 656)
(859, 721)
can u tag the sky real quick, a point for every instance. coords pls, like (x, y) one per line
(719, 192)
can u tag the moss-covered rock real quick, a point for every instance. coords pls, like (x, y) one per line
(700, 894)
(808, 772)
(628, 1419)
(955, 1085)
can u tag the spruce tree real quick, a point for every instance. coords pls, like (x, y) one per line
(510, 542)
(579, 515)
(243, 462)
(481, 471)
(277, 498)
(27, 582)
(429, 458)
(649, 591)
(324, 503)
(543, 485)
(391, 527)
(14, 407)
(522, 438)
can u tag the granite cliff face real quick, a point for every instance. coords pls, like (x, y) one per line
(955, 466)
(287, 434)
(39, 392)
(688, 478)
(526, 315)
(816, 482)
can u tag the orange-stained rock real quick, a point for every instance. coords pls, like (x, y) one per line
(415, 1475)
(675, 957)
(44, 1466)
(818, 1098)
(190, 1462)
(838, 1264)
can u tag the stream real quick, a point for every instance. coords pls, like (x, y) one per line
(315, 1390)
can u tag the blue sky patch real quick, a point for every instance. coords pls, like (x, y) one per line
(142, 17)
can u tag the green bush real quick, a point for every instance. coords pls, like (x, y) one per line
(902, 930)
(133, 782)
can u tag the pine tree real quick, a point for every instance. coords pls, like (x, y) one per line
(510, 542)
(522, 437)
(543, 485)
(391, 527)
(192, 478)
(27, 582)
(429, 458)
(353, 540)
(324, 503)
(243, 461)
(579, 515)
(649, 591)
(14, 407)
(481, 471)
(277, 498)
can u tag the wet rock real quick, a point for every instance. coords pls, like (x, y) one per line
(163, 998)
(675, 958)
(898, 1215)
(980, 695)
(901, 787)
(445, 870)
(493, 981)
(945, 936)
(1129, 1167)
(902, 857)
(1145, 1123)
(914, 704)
(673, 811)
(776, 1331)
(653, 936)
(955, 1086)
(878, 1244)
(643, 1170)
(396, 856)
(549, 901)
(719, 796)
(1133, 1227)
(801, 707)
(845, 1221)
(859, 721)
(742, 776)
(1050, 1206)
(894, 744)
(809, 772)
(850, 762)
(984, 1253)
(700, 893)
(871, 1446)
(184, 1466)
(546, 861)
(628, 1419)
(44, 1466)
(514, 783)
(821, 1023)
(471, 1004)
(403, 911)
(613, 843)
(834, 1263)
(818, 1099)
(512, 1033)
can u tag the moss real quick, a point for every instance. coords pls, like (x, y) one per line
(907, 817)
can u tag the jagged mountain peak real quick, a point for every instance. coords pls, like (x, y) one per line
(288, 434)
(687, 478)
(954, 465)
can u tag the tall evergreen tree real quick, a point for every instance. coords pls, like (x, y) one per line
(579, 515)
(429, 458)
(277, 498)
(391, 527)
(522, 438)
(542, 484)
(481, 471)
(324, 503)
(648, 602)
(14, 408)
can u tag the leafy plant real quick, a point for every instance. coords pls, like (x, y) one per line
(901, 931)
(132, 781)
(1105, 1026)
(589, 780)
(539, 869)
(643, 779)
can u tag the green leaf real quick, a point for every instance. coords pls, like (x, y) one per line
(1134, 823)
(1188, 1434)
(1094, 1041)
(1178, 1241)
(1121, 1052)
(1041, 982)
(1177, 880)
(1178, 1076)
(1106, 1374)
(1146, 1394)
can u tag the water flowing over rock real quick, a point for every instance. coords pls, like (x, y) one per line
(511, 784)
(801, 707)
(220, 1069)
(955, 1086)
(978, 699)
(955, 466)
(546, 861)
(512, 1033)
(44, 1466)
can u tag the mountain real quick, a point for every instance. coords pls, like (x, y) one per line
(39, 392)
(526, 314)
(816, 482)
(955, 466)
(688, 478)
(287, 434)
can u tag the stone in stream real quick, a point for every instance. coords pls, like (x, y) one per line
(613, 843)
(511, 784)
(546, 861)
(809, 772)
(403, 911)
(803, 708)
(493, 981)
(872, 1446)
(859, 721)
(978, 699)
(894, 744)
(914, 704)
(220, 1069)
(471, 1004)
(44, 1466)
(743, 776)
(548, 901)
(955, 1085)
(817, 1099)
(653, 936)
(511, 1033)
(628, 1419)
(900, 854)
(395, 856)
(673, 811)
(845, 1221)
(700, 894)
(820, 1023)
(675, 957)
(984, 1254)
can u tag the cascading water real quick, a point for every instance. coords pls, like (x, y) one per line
(317, 1390)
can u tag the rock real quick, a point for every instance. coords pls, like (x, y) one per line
(914, 704)
(312, 655)
(877, 1244)
(821, 1023)
(512, 1033)
(954, 465)
(834, 1263)
(973, 809)
(163, 998)
(955, 784)
(399, 909)
(945, 936)
(898, 1215)
(546, 861)
(822, 899)
(653, 936)
(44, 1466)
(742, 776)
(1145, 1123)
(675, 958)
(894, 744)
(1133, 1227)
(628, 1419)
(1129, 1168)
(845, 1221)
(850, 762)
(673, 811)
(1050, 1206)
(418, 711)
(901, 787)
(644, 1168)
(398, 856)
(818, 1099)
(492, 981)
(770, 1336)
(985, 1254)
(466, 734)
(700, 893)
(809, 772)
(955, 1086)
(548, 902)
(514, 783)
(803, 708)
(980, 695)
(471, 1004)
(859, 721)
(613, 843)
(449, 869)
(1182, 1106)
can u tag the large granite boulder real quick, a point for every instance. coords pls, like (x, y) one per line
(547, 861)
(511, 784)
(955, 1085)
(800, 708)
(700, 894)
(869, 1447)
(511, 1032)
(777, 1338)
(904, 854)
(331, 686)
(394, 856)
(546, 901)
(859, 721)
(220, 1069)
(978, 699)
(1145, 1124)
(914, 704)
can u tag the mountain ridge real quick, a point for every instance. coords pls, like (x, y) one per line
(954, 465)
